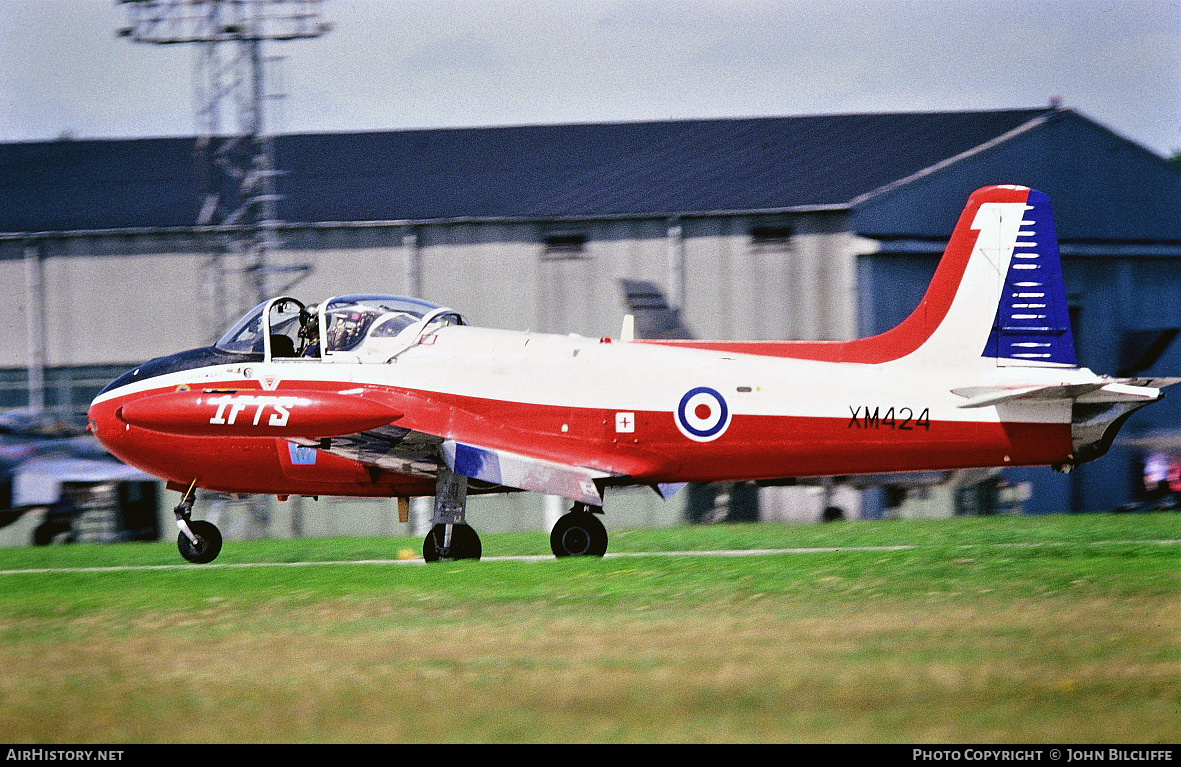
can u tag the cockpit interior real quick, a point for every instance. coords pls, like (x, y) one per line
(354, 328)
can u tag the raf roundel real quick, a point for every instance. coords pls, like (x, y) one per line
(703, 414)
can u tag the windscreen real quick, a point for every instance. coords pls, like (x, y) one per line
(246, 334)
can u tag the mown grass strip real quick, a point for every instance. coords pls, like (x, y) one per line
(997, 630)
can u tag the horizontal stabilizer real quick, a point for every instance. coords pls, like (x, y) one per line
(500, 467)
(1155, 383)
(1109, 390)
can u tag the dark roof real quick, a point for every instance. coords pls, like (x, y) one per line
(530, 172)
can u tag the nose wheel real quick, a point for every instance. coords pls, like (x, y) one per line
(205, 548)
(199, 542)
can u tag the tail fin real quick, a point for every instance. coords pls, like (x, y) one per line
(997, 297)
(998, 294)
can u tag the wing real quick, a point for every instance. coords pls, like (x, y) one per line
(493, 456)
(406, 451)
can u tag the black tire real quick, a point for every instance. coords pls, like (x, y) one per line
(465, 544)
(46, 532)
(208, 544)
(578, 534)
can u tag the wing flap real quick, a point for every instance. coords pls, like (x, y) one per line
(502, 467)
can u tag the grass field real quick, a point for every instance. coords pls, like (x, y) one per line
(1063, 629)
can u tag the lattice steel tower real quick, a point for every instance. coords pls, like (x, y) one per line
(237, 209)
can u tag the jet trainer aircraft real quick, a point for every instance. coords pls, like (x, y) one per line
(371, 395)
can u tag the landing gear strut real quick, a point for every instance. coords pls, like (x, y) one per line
(579, 533)
(199, 542)
(450, 537)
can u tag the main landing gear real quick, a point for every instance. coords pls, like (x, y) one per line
(576, 534)
(450, 538)
(579, 533)
(199, 542)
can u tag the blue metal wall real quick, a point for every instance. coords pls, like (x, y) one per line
(1109, 297)
(1118, 212)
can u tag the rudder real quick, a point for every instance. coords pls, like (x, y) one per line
(1032, 324)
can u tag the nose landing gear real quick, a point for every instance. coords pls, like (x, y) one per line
(199, 542)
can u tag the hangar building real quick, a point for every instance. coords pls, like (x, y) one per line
(823, 227)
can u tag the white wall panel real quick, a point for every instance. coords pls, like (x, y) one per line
(107, 309)
(13, 313)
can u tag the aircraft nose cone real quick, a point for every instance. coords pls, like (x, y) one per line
(99, 421)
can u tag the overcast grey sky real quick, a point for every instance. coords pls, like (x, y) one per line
(390, 64)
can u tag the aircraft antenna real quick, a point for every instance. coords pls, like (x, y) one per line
(237, 207)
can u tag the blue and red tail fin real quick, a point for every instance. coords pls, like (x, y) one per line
(997, 298)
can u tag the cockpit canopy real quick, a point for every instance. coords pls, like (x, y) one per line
(357, 328)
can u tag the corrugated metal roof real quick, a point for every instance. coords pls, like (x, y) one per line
(529, 172)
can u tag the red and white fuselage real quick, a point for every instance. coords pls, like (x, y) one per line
(981, 375)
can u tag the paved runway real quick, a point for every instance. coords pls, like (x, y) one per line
(551, 558)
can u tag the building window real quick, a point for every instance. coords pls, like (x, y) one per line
(68, 390)
(770, 234)
(560, 246)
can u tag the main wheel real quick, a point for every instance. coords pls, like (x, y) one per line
(465, 544)
(208, 544)
(578, 534)
(47, 532)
